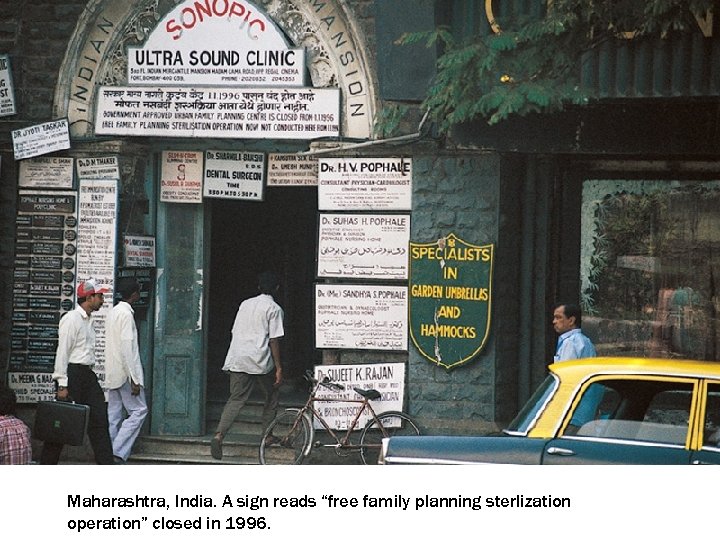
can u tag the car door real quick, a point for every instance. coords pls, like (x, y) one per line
(628, 420)
(709, 426)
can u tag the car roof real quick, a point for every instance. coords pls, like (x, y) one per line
(580, 369)
(572, 373)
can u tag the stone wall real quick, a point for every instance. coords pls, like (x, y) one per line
(458, 194)
(35, 34)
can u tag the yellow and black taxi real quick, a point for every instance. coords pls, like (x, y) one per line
(595, 411)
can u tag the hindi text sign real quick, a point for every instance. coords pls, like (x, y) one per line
(217, 112)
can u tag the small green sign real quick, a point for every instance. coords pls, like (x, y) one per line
(450, 297)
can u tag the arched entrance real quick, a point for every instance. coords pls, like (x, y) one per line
(208, 253)
(336, 56)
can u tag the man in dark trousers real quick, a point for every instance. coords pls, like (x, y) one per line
(253, 357)
(75, 378)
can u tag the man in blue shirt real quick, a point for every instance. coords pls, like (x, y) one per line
(572, 343)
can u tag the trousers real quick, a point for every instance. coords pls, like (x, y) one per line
(124, 431)
(241, 384)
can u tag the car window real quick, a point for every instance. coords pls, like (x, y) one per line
(711, 432)
(637, 410)
(525, 419)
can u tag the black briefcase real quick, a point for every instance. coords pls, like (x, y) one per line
(61, 422)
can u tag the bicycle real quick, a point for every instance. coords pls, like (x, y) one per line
(289, 438)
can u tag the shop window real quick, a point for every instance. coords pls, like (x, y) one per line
(650, 267)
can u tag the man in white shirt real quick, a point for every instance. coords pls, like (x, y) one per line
(124, 372)
(74, 375)
(253, 357)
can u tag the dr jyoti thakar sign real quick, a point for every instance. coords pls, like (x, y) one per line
(450, 293)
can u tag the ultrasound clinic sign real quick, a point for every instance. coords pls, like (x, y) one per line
(218, 68)
(217, 43)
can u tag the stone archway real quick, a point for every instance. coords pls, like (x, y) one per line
(336, 55)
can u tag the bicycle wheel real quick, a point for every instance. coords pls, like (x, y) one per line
(391, 424)
(290, 434)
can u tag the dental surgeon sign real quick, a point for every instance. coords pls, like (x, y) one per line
(216, 43)
(450, 299)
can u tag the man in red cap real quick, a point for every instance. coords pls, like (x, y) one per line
(75, 378)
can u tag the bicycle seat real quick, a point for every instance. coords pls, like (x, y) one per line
(368, 394)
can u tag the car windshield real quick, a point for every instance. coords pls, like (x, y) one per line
(529, 413)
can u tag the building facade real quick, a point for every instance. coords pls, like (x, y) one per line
(611, 206)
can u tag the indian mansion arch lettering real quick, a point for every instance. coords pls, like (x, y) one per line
(109, 32)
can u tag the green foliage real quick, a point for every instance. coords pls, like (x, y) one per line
(533, 65)
(389, 119)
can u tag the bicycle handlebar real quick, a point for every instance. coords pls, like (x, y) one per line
(331, 385)
(325, 382)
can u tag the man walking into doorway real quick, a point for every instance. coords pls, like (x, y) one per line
(124, 371)
(253, 357)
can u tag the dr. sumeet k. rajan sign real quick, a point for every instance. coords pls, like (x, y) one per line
(450, 298)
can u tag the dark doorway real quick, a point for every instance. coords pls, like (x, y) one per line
(247, 238)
